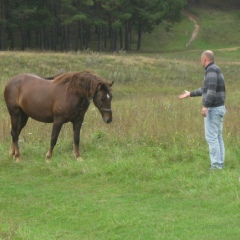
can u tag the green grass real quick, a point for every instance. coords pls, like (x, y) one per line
(219, 28)
(144, 176)
(128, 197)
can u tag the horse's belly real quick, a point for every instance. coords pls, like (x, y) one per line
(45, 119)
(38, 112)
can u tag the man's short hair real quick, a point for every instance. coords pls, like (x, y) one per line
(209, 55)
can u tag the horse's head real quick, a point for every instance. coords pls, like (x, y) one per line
(102, 101)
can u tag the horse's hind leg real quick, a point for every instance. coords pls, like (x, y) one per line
(57, 125)
(18, 122)
(14, 132)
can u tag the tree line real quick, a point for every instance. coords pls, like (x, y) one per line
(63, 25)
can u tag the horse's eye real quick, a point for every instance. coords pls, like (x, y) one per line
(104, 97)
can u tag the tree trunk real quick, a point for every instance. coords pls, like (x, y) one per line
(37, 39)
(29, 38)
(45, 39)
(100, 38)
(130, 37)
(53, 45)
(121, 39)
(115, 40)
(11, 38)
(105, 39)
(80, 29)
(1, 25)
(139, 42)
(87, 37)
(23, 37)
(126, 37)
(9, 29)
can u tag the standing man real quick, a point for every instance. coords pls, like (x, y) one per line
(213, 110)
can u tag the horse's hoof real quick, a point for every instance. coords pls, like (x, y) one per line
(11, 154)
(48, 160)
(48, 156)
(79, 159)
(18, 160)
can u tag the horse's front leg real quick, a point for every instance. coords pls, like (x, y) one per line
(57, 125)
(76, 135)
(14, 151)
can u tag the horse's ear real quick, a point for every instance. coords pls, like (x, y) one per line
(111, 83)
(100, 87)
(103, 86)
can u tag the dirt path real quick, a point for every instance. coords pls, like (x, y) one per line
(193, 18)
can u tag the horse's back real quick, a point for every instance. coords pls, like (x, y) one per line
(11, 91)
(29, 93)
(16, 84)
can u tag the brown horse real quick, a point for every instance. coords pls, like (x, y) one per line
(64, 99)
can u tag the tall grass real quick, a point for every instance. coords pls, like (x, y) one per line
(144, 176)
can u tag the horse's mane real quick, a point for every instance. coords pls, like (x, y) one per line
(85, 82)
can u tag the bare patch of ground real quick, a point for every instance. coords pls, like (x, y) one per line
(193, 18)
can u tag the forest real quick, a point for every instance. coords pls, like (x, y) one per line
(72, 25)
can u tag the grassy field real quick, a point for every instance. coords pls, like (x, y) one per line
(144, 176)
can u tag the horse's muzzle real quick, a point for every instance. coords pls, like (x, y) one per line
(106, 115)
(107, 120)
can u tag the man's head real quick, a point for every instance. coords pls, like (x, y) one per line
(207, 57)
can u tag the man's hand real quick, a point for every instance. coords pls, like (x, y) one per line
(204, 111)
(185, 94)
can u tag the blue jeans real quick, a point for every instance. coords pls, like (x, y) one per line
(213, 124)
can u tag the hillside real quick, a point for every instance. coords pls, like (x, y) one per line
(219, 28)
